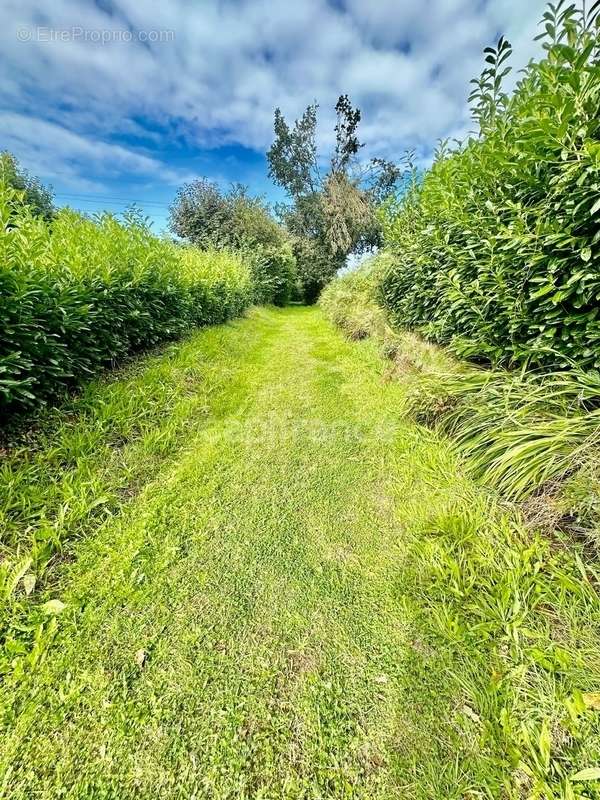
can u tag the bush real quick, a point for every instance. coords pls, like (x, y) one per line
(497, 248)
(205, 216)
(350, 301)
(273, 272)
(77, 294)
(37, 196)
(316, 268)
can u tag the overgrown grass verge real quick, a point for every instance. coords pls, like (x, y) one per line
(518, 608)
(533, 436)
(519, 618)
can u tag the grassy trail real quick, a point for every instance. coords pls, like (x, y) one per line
(247, 626)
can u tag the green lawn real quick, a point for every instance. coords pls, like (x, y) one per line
(290, 590)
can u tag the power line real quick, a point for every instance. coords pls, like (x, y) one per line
(84, 198)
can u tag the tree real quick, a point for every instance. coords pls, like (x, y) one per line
(37, 196)
(334, 208)
(207, 217)
(293, 155)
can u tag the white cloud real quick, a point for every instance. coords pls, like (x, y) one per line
(406, 64)
(53, 151)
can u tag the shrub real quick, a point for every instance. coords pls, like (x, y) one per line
(350, 301)
(37, 196)
(273, 271)
(78, 294)
(498, 247)
(205, 216)
(316, 268)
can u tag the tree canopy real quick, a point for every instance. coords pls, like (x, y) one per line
(331, 203)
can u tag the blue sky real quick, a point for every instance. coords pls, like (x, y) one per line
(116, 101)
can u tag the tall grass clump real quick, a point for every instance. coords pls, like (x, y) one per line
(78, 294)
(520, 431)
(497, 248)
(350, 300)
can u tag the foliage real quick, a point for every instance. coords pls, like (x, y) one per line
(333, 210)
(293, 155)
(497, 249)
(346, 591)
(37, 196)
(348, 210)
(315, 267)
(350, 301)
(207, 217)
(520, 431)
(78, 294)
(274, 272)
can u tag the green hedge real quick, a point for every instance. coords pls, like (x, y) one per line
(77, 295)
(497, 248)
(273, 270)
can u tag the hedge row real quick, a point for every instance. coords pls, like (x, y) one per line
(497, 248)
(77, 295)
(273, 270)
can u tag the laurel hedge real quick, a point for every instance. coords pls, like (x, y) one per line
(77, 295)
(497, 246)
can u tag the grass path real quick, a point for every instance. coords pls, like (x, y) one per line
(247, 626)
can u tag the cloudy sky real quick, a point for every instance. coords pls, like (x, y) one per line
(113, 101)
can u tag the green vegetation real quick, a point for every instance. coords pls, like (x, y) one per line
(331, 213)
(494, 253)
(274, 561)
(208, 218)
(268, 608)
(528, 434)
(38, 197)
(78, 294)
(497, 247)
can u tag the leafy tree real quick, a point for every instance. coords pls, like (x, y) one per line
(293, 155)
(37, 196)
(333, 208)
(207, 217)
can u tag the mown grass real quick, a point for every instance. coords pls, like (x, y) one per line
(309, 598)
(77, 465)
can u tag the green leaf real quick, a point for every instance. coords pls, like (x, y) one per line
(53, 607)
(589, 774)
(586, 253)
(29, 583)
(15, 576)
(545, 744)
